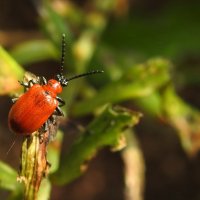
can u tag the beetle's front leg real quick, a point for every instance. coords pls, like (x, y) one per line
(58, 112)
(24, 84)
(27, 85)
(42, 80)
(15, 99)
(62, 102)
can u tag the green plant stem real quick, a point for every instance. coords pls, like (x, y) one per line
(105, 130)
(33, 165)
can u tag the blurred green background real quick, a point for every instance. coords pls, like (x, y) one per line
(150, 52)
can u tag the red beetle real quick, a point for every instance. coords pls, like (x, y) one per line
(40, 103)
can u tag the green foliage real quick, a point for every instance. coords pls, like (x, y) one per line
(35, 51)
(8, 177)
(150, 77)
(45, 190)
(184, 118)
(105, 130)
(116, 49)
(10, 72)
(172, 33)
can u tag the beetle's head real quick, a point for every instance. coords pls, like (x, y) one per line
(54, 86)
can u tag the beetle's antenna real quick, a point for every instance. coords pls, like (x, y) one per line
(62, 54)
(85, 74)
(60, 77)
(11, 146)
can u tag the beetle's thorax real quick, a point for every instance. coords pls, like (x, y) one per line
(53, 87)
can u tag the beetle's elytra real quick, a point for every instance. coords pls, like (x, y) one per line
(37, 106)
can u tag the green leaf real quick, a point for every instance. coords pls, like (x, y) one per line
(140, 81)
(45, 190)
(53, 155)
(54, 25)
(184, 118)
(8, 177)
(34, 51)
(10, 72)
(173, 32)
(105, 130)
(151, 104)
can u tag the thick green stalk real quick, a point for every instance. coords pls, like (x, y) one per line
(34, 165)
(105, 130)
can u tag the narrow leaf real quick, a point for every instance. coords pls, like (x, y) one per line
(10, 72)
(34, 51)
(140, 81)
(8, 177)
(105, 130)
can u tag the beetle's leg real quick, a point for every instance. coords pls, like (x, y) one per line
(24, 84)
(15, 99)
(58, 111)
(27, 85)
(43, 80)
(44, 128)
(31, 83)
(62, 102)
(52, 119)
(42, 132)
